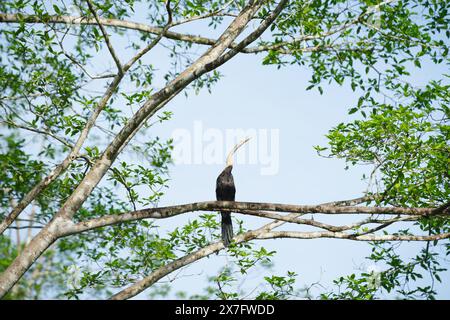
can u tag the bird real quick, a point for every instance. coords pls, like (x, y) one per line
(226, 191)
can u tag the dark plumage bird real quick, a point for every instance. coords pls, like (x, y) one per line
(225, 191)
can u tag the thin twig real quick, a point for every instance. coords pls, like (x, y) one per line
(106, 37)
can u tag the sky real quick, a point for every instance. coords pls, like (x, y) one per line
(251, 96)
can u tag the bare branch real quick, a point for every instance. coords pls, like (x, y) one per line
(71, 20)
(74, 153)
(25, 227)
(47, 133)
(12, 18)
(264, 232)
(254, 35)
(314, 223)
(152, 44)
(79, 65)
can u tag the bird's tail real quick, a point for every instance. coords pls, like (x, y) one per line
(227, 228)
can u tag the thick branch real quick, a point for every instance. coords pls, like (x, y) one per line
(106, 37)
(196, 39)
(353, 202)
(29, 255)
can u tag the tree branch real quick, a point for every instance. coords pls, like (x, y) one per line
(146, 282)
(72, 20)
(43, 132)
(341, 235)
(254, 35)
(249, 208)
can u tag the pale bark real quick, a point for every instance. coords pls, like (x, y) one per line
(217, 54)
(147, 281)
(340, 235)
(266, 232)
